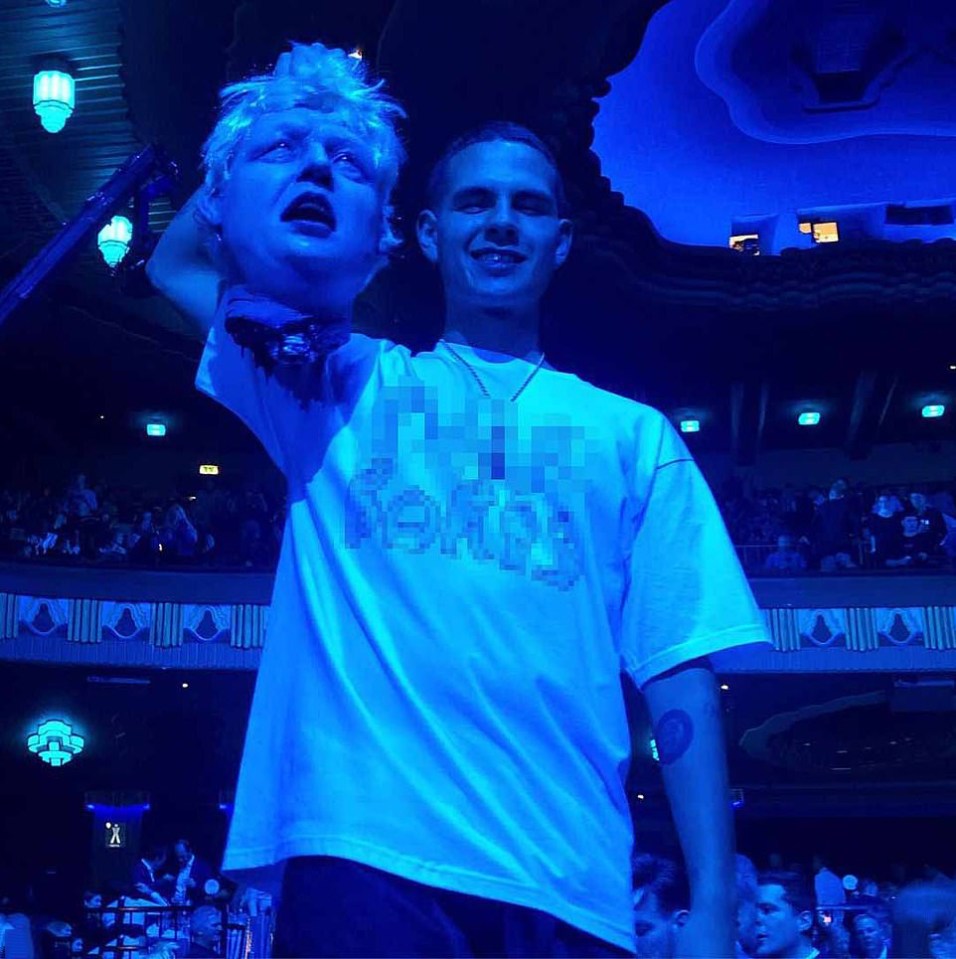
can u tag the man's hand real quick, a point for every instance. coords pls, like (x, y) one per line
(301, 61)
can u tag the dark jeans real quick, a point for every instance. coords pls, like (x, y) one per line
(336, 907)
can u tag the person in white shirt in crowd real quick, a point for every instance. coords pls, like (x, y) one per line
(477, 546)
(827, 885)
(785, 910)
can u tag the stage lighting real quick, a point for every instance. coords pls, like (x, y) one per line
(114, 240)
(155, 429)
(933, 411)
(55, 742)
(690, 426)
(810, 418)
(54, 97)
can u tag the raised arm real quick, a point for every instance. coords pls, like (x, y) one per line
(181, 269)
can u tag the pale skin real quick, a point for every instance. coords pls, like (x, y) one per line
(500, 197)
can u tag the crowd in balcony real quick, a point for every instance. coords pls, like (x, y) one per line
(843, 527)
(215, 525)
(777, 531)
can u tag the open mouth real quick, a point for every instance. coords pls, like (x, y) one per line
(498, 257)
(311, 208)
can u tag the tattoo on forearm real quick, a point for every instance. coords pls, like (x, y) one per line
(673, 734)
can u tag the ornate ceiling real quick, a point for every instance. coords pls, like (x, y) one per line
(641, 307)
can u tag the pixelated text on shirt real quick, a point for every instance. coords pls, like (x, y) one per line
(470, 482)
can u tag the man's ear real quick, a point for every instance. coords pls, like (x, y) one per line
(565, 236)
(426, 229)
(805, 920)
(680, 916)
(209, 208)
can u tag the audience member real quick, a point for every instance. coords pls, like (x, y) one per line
(144, 879)
(833, 530)
(661, 904)
(785, 912)
(786, 558)
(871, 928)
(190, 877)
(827, 885)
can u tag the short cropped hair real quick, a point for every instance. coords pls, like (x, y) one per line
(494, 132)
(664, 878)
(874, 909)
(796, 890)
(340, 87)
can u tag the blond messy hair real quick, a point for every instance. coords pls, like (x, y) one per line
(339, 87)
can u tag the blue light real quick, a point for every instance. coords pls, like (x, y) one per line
(114, 240)
(54, 97)
(655, 755)
(690, 426)
(933, 411)
(155, 429)
(55, 742)
(810, 418)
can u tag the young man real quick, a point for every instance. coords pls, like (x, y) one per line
(477, 545)
(784, 917)
(661, 903)
(144, 878)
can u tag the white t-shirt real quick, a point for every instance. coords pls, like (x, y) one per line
(461, 583)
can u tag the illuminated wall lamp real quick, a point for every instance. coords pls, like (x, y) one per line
(114, 240)
(933, 411)
(810, 418)
(54, 98)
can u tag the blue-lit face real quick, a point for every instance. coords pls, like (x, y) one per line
(301, 214)
(655, 931)
(779, 927)
(496, 236)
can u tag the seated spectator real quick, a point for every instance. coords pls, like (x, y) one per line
(784, 917)
(871, 929)
(786, 558)
(661, 904)
(931, 522)
(80, 499)
(144, 539)
(915, 547)
(178, 536)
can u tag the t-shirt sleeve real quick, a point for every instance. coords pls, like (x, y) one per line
(687, 596)
(266, 404)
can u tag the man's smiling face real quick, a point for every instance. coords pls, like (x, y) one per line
(496, 233)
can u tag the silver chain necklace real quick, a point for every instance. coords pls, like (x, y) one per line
(478, 380)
